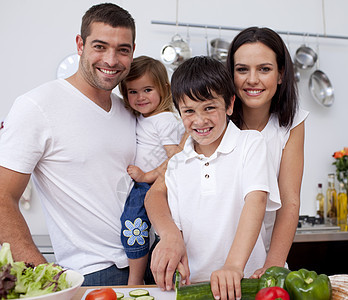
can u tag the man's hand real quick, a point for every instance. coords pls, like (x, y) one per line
(169, 255)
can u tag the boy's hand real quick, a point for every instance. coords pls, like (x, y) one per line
(136, 173)
(225, 283)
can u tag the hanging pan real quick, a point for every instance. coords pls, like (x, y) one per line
(321, 87)
(305, 57)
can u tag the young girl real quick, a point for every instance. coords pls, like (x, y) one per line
(267, 101)
(146, 91)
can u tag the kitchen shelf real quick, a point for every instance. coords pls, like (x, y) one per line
(206, 26)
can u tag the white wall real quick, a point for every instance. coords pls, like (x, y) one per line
(37, 34)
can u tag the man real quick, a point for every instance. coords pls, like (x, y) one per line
(77, 140)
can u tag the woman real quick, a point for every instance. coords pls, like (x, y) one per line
(267, 101)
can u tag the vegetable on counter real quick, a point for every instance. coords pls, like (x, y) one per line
(22, 280)
(273, 276)
(272, 293)
(202, 291)
(102, 294)
(304, 284)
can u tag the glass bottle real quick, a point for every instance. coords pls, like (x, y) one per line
(342, 207)
(331, 200)
(320, 199)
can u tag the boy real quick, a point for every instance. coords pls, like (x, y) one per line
(218, 185)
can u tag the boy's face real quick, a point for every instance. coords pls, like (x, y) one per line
(205, 121)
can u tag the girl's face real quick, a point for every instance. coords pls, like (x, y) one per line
(256, 74)
(143, 96)
(205, 121)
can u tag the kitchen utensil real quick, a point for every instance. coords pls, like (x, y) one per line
(305, 57)
(176, 52)
(297, 74)
(219, 49)
(321, 88)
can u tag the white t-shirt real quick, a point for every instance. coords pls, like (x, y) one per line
(206, 197)
(276, 138)
(153, 133)
(78, 154)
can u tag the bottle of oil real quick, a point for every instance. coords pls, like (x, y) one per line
(342, 207)
(331, 200)
(320, 199)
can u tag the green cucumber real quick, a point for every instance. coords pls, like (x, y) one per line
(128, 298)
(119, 295)
(145, 298)
(138, 293)
(202, 291)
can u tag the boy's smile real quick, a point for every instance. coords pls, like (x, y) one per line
(205, 121)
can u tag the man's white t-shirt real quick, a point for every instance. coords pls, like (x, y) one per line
(206, 197)
(78, 154)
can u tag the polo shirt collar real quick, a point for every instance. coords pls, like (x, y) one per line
(228, 143)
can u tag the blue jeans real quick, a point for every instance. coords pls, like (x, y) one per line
(135, 223)
(108, 276)
(116, 276)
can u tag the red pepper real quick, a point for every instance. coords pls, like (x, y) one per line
(272, 293)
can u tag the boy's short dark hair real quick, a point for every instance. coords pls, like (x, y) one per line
(198, 78)
(108, 13)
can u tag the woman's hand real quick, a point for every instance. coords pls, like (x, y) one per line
(258, 273)
(225, 283)
(136, 173)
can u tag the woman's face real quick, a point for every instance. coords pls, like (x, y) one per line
(256, 74)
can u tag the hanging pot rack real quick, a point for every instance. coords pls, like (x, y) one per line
(317, 35)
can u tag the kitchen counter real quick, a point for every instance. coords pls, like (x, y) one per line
(153, 289)
(320, 236)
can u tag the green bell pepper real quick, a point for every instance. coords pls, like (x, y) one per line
(273, 276)
(304, 284)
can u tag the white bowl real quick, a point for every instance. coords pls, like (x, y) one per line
(76, 279)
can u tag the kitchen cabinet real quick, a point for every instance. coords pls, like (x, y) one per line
(322, 251)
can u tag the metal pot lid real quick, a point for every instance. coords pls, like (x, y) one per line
(305, 57)
(321, 88)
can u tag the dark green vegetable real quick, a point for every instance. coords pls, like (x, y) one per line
(308, 285)
(274, 276)
(202, 291)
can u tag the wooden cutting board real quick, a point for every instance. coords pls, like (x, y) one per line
(154, 291)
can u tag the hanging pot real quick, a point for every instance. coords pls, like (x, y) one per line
(305, 57)
(176, 52)
(321, 88)
(219, 49)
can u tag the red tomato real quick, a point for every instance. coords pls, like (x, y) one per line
(272, 293)
(102, 294)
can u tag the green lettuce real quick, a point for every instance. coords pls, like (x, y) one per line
(22, 280)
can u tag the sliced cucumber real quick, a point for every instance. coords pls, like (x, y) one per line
(145, 298)
(128, 298)
(119, 295)
(138, 293)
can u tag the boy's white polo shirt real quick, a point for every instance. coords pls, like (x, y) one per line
(206, 197)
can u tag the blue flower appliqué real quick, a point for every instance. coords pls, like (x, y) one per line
(137, 232)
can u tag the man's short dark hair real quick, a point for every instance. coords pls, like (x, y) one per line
(108, 13)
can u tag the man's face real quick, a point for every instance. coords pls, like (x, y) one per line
(106, 55)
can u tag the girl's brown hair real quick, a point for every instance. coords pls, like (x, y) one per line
(156, 70)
